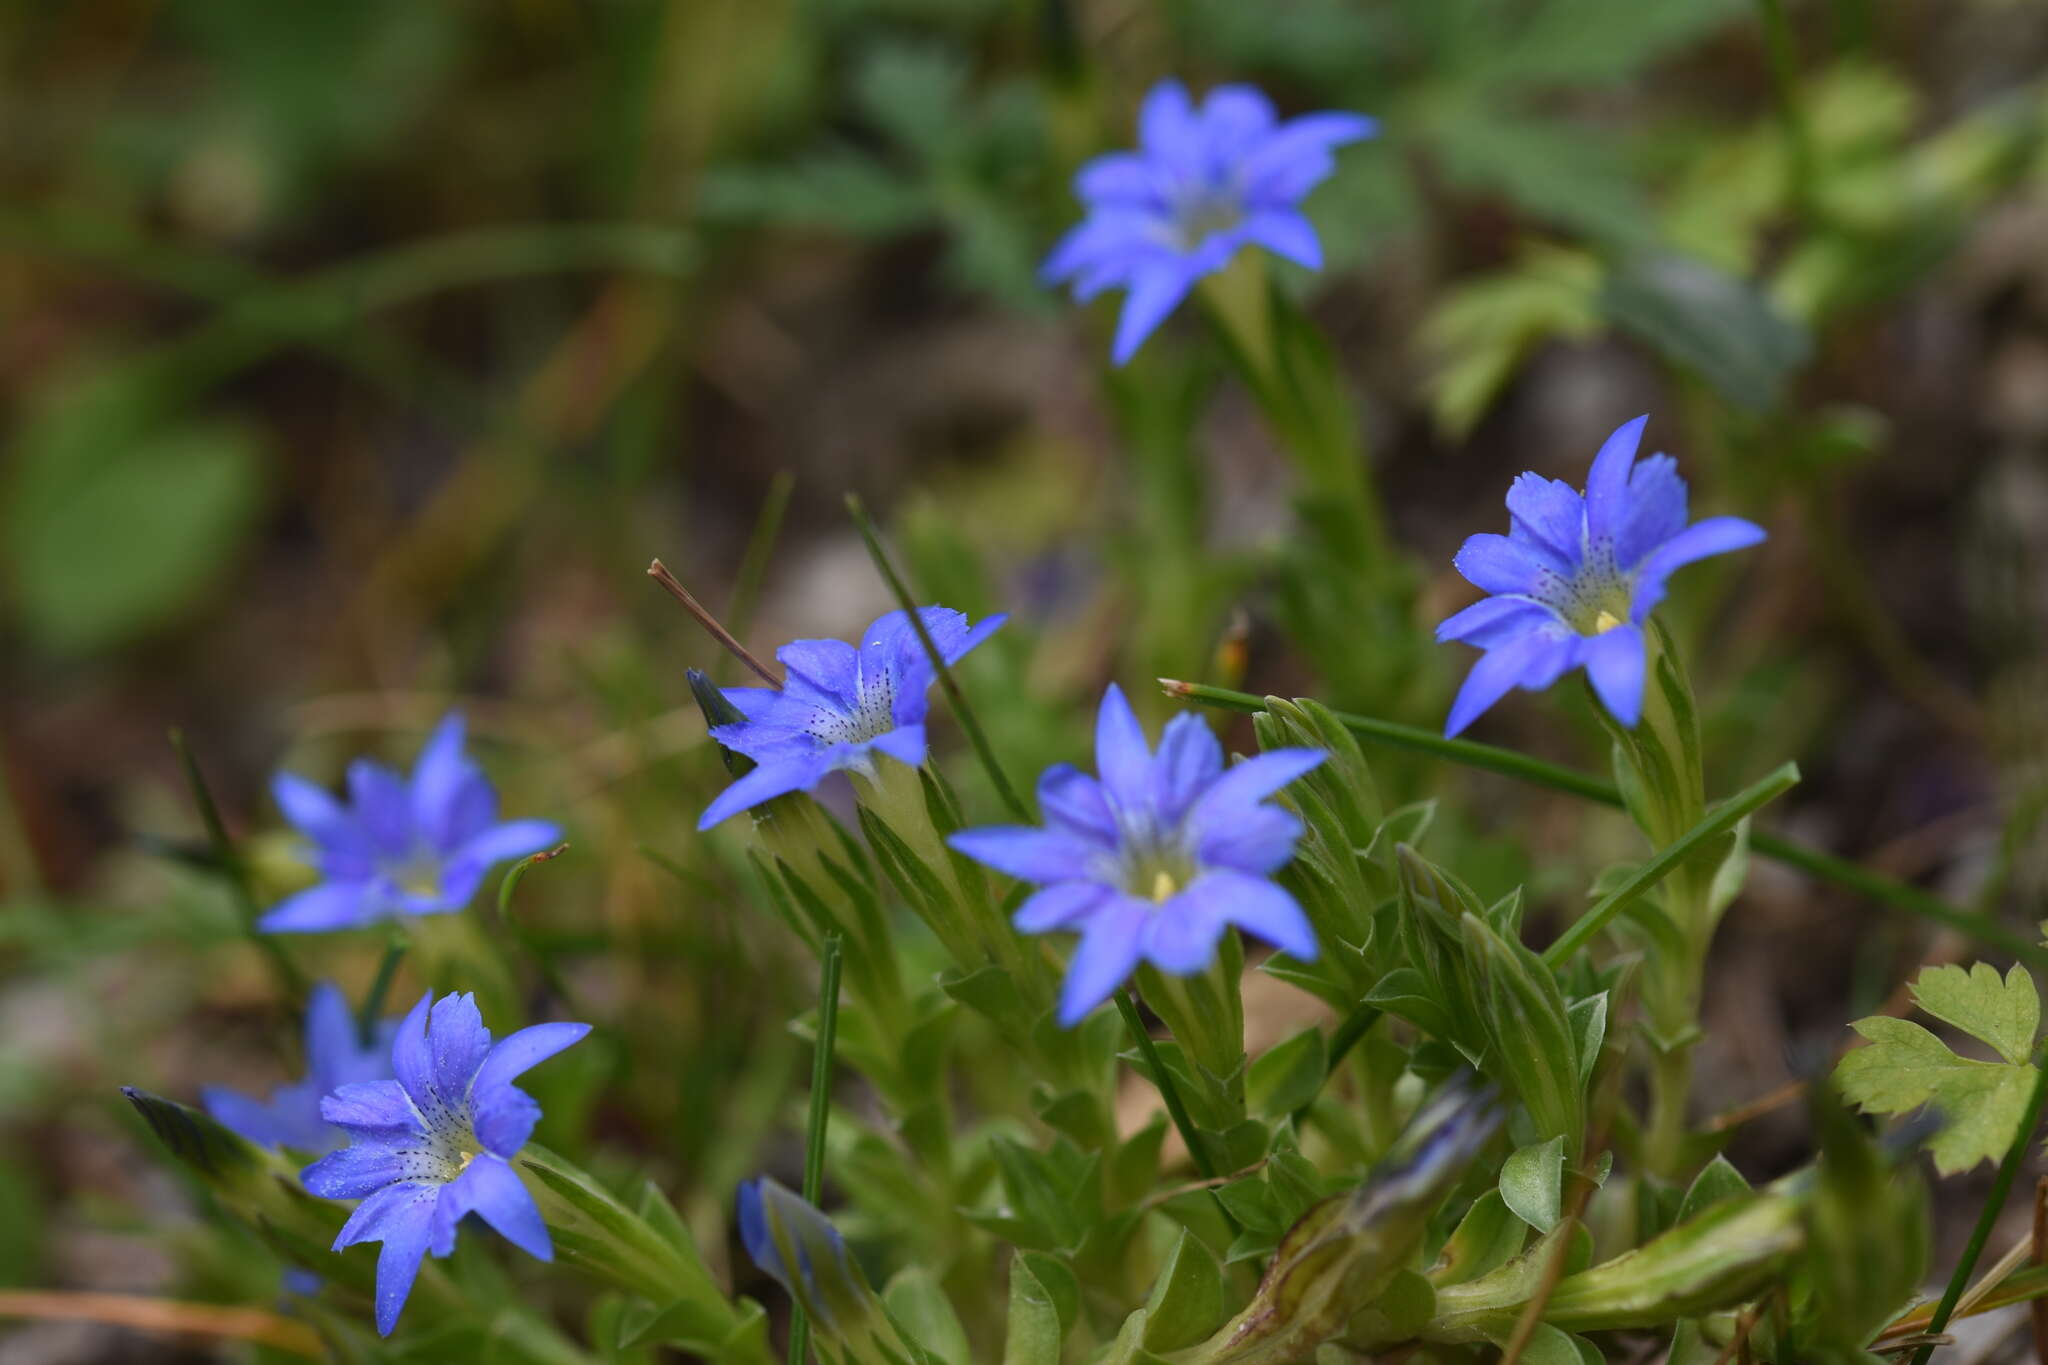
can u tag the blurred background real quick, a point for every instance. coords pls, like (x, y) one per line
(357, 358)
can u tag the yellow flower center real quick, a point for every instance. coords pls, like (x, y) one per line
(1162, 887)
(1605, 622)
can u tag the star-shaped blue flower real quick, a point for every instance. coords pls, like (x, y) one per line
(839, 706)
(1577, 575)
(436, 1143)
(1155, 859)
(335, 1056)
(1203, 183)
(417, 846)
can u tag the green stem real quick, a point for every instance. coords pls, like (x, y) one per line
(1993, 1206)
(1723, 818)
(954, 697)
(1826, 866)
(821, 1113)
(1198, 1150)
(229, 859)
(380, 988)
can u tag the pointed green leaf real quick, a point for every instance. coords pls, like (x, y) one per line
(1532, 1183)
(1187, 1299)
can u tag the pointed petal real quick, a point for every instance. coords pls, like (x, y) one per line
(398, 1264)
(1296, 157)
(1074, 804)
(1181, 933)
(383, 805)
(770, 780)
(1169, 130)
(317, 815)
(1287, 235)
(1248, 783)
(1107, 954)
(412, 1060)
(318, 909)
(512, 839)
(243, 1116)
(330, 1031)
(1189, 759)
(1119, 178)
(1235, 120)
(492, 1191)
(1533, 661)
(1656, 510)
(354, 1172)
(1615, 662)
(384, 1210)
(1607, 482)
(1499, 564)
(821, 672)
(1061, 906)
(504, 1119)
(459, 1042)
(1701, 540)
(1259, 907)
(376, 1111)
(1259, 840)
(1549, 517)
(520, 1052)
(1028, 853)
(438, 778)
(906, 744)
(1122, 756)
(1155, 292)
(1493, 621)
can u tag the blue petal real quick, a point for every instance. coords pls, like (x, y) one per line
(1107, 954)
(1498, 564)
(384, 1211)
(376, 1111)
(755, 1235)
(1074, 803)
(1607, 482)
(398, 1263)
(1169, 130)
(1286, 234)
(245, 1117)
(354, 1172)
(520, 1052)
(412, 1060)
(1493, 621)
(513, 839)
(1235, 120)
(1114, 241)
(1259, 840)
(1296, 157)
(383, 803)
(459, 1042)
(330, 1031)
(1181, 932)
(492, 1191)
(439, 777)
(1614, 660)
(1119, 178)
(1533, 661)
(321, 818)
(1656, 510)
(770, 780)
(1259, 907)
(1061, 906)
(505, 1119)
(1122, 756)
(1155, 292)
(317, 909)
(1702, 539)
(1028, 853)
(1189, 759)
(820, 672)
(1549, 516)
(1248, 783)
(905, 744)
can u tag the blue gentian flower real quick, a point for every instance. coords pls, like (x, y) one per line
(773, 1216)
(1204, 182)
(437, 1142)
(1576, 576)
(839, 706)
(1154, 860)
(417, 846)
(335, 1056)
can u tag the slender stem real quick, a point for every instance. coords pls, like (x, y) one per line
(1163, 1080)
(509, 883)
(380, 988)
(1718, 822)
(229, 859)
(1826, 866)
(1993, 1206)
(821, 1114)
(954, 698)
(658, 571)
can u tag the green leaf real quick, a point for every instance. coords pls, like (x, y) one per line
(914, 1298)
(1905, 1067)
(1488, 1237)
(1034, 1331)
(1589, 1023)
(1707, 322)
(1286, 1077)
(110, 533)
(1187, 1299)
(1532, 1183)
(2004, 1014)
(1719, 1180)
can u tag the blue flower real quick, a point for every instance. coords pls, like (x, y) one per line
(1203, 183)
(335, 1056)
(1576, 576)
(772, 1217)
(839, 706)
(1153, 861)
(400, 847)
(437, 1142)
